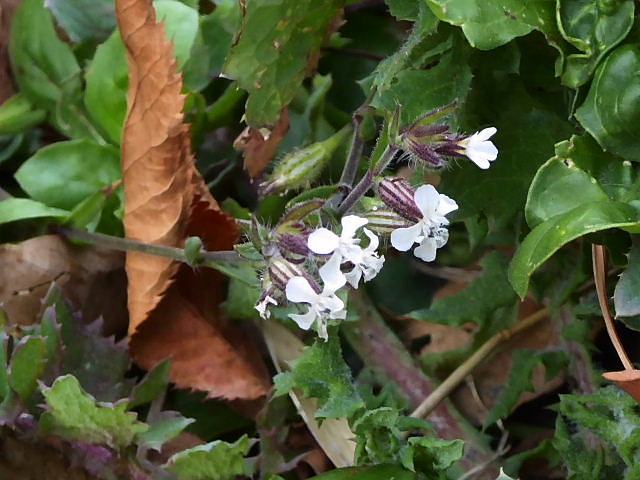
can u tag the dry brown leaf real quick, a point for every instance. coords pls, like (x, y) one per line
(91, 278)
(258, 148)
(627, 380)
(174, 309)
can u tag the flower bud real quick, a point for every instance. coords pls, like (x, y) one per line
(293, 247)
(281, 271)
(397, 194)
(384, 222)
(301, 167)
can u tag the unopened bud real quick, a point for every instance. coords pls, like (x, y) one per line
(281, 271)
(383, 222)
(300, 168)
(293, 247)
(397, 194)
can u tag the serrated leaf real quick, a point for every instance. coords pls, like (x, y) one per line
(625, 298)
(323, 374)
(164, 427)
(214, 461)
(84, 19)
(271, 55)
(13, 209)
(519, 381)
(594, 28)
(544, 240)
(610, 109)
(27, 365)
(65, 173)
(375, 472)
(151, 386)
(473, 304)
(75, 415)
(432, 454)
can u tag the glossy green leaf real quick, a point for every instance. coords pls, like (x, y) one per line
(181, 23)
(323, 374)
(75, 415)
(626, 297)
(271, 55)
(84, 19)
(65, 173)
(558, 188)
(164, 427)
(13, 209)
(27, 365)
(17, 114)
(214, 461)
(488, 24)
(594, 28)
(544, 240)
(612, 107)
(46, 69)
(152, 385)
(218, 30)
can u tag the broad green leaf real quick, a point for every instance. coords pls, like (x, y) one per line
(75, 415)
(404, 9)
(323, 374)
(611, 108)
(594, 28)
(488, 24)
(164, 427)
(218, 30)
(84, 19)
(473, 304)
(544, 240)
(13, 209)
(271, 55)
(181, 23)
(432, 454)
(86, 215)
(558, 188)
(375, 472)
(65, 173)
(214, 461)
(27, 365)
(17, 114)
(519, 381)
(108, 78)
(626, 297)
(152, 385)
(46, 70)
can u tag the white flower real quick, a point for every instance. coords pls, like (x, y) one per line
(262, 306)
(428, 231)
(480, 149)
(347, 247)
(322, 306)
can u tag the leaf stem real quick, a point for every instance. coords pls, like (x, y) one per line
(459, 374)
(600, 277)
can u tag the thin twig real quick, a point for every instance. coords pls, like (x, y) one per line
(351, 166)
(600, 278)
(460, 373)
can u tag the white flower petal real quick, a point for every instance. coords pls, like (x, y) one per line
(262, 306)
(486, 133)
(479, 149)
(334, 304)
(353, 277)
(304, 321)
(426, 198)
(323, 241)
(331, 275)
(403, 238)
(374, 242)
(350, 224)
(481, 162)
(298, 290)
(427, 250)
(446, 205)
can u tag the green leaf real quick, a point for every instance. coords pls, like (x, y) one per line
(432, 454)
(611, 109)
(214, 461)
(271, 55)
(544, 240)
(164, 427)
(4, 374)
(375, 472)
(519, 381)
(404, 9)
(65, 173)
(473, 304)
(13, 209)
(323, 374)
(218, 30)
(625, 298)
(558, 188)
(75, 415)
(84, 19)
(108, 77)
(594, 28)
(181, 23)
(46, 69)
(488, 24)
(17, 114)
(27, 365)
(152, 385)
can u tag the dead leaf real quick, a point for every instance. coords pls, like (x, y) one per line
(259, 146)
(174, 309)
(627, 380)
(91, 278)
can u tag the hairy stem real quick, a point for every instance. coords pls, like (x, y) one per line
(431, 402)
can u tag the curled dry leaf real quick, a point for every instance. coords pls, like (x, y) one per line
(627, 380)
(173, 309)
(259, 146)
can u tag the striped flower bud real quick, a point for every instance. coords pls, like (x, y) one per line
(397, 194)
(301, 167)
(383, 222)
(281, 271)
(293, 247)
